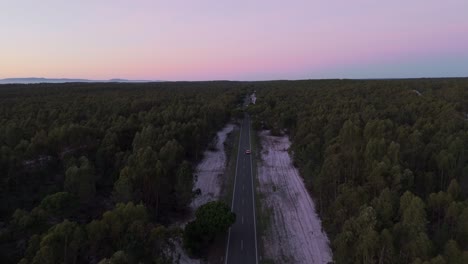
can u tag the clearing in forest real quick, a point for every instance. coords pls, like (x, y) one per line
(294, 232)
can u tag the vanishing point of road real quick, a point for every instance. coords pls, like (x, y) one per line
(242, 239)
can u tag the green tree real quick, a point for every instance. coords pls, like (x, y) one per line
(61, 244)
(212, 219)
(385, 207)
(184, 184)
(358, 236)
(80, 181)
(123, 188)
(170, 154)
(462, 228)
(446, 164)
(106, 162)
(414, 240)
(454, 189)
(58, 203)
(119, 257)
(452, 252)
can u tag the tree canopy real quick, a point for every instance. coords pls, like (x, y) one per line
(98, 171)
(388, 166)
(212, 219)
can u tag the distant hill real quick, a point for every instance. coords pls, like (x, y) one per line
(63, 80)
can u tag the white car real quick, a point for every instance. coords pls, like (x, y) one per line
(247, 151)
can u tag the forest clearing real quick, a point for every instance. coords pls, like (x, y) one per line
(210, 171)
(294, 233)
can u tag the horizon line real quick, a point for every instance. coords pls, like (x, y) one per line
(123, 80)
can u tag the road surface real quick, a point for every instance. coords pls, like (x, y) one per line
(242, 239)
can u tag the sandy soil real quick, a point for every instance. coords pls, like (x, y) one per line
(417, 92)
(208, 173)
(181, 257)
(253, 98)
(294, 234)
(210, 170)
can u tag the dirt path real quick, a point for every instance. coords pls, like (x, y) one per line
(294, 234)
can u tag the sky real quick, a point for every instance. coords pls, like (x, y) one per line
(233, 39)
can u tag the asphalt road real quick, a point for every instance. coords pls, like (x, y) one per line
(242, 239)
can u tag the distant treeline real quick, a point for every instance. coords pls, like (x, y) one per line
(386, 160)
(96, 172)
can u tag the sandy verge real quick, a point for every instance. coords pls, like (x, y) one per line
(210, 171)
(209, 179)
(294, 233)
(253, 98)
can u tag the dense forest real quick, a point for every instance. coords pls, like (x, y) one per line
(386, 161)
(98, 172)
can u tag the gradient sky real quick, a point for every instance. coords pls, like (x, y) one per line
(235, 40)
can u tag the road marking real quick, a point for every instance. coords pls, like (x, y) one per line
(242, 219)
(234, 192)
(253, 196)
(242, 244)
(243, 186)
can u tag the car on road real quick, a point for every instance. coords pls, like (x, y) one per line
(247, 151)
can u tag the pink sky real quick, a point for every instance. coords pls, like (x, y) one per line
(237, 40)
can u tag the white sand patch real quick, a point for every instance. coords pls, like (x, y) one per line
(253, 98)
(417, 92)
(294, 234)
(181, 257)
(210, 171)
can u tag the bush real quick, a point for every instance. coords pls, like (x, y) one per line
(212, 219)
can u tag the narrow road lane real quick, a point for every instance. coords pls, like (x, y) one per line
(242, 239)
